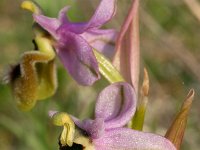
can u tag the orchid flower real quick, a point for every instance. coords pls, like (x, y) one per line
(74, 41)
(115, 106)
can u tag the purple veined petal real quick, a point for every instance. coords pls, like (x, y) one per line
(78, 58)
(49, 24)
(128, 139)
(103, 14)
(116, 104)
(62, 17)
(102, 40)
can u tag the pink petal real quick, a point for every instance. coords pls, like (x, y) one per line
(103, 13)
(124, 138)
(49, 24)
(101, 40)
(127, 55)
(62, 15)
(78, 58)
(116, 104)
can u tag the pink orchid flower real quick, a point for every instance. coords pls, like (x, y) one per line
(74, 41)
(115, 106)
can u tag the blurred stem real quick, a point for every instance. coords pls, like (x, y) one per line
(194, 7)
(107, 69)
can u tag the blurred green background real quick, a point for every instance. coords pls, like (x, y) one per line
(170, 50)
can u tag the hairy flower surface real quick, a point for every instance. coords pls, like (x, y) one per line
(34, 78)
(115, 107)
(75, 41)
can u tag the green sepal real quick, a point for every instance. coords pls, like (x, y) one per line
(107, 69)
(137, 121)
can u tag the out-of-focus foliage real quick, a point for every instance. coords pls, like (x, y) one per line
(170, 50)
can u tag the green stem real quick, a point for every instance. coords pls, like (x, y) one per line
(138, 119)
(107, 69)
